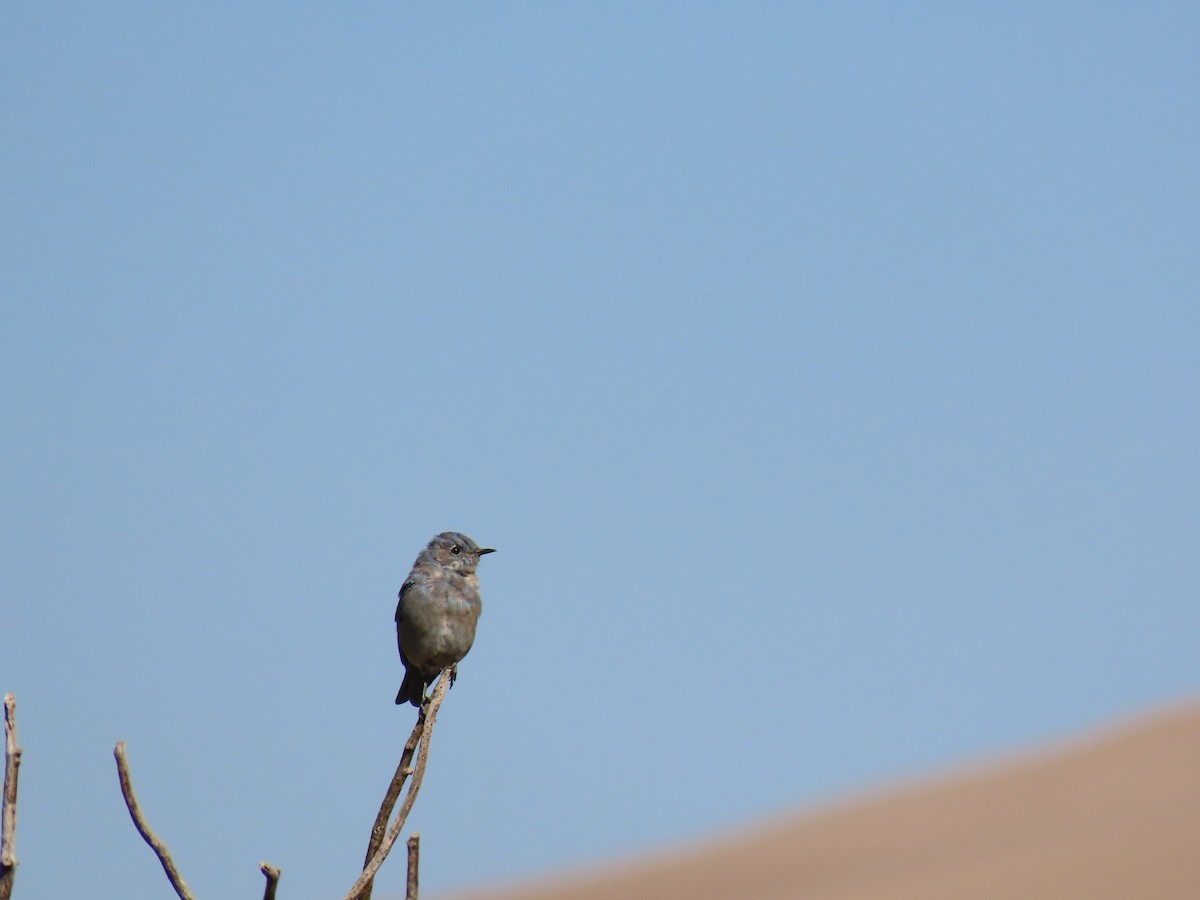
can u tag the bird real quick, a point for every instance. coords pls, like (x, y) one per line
(437, 611)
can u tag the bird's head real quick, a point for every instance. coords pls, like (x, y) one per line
(455, 551)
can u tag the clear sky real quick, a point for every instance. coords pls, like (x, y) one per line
(827, 376)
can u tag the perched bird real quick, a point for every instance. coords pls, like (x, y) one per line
(438, 610)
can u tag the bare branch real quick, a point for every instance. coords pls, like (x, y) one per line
(435, 703)
(8, 807)
(139, 822)
(414, 852)
(272, 874)
(403, 770)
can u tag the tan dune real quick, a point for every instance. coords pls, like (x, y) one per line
(1114, 817)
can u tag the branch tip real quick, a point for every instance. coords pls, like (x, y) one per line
(272, 875)
(414, 852)
(143, 827)
(8, 799)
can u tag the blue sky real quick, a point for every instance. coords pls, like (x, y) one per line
(827, 377)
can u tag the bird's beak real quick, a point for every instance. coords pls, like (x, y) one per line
(486, 550)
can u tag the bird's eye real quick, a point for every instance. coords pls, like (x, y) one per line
(456, 549)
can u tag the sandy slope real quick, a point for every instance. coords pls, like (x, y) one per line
(1115, 816)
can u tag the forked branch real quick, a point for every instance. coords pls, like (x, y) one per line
(418, 774)
(403, 770)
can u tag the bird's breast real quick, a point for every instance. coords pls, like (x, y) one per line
(437, 622)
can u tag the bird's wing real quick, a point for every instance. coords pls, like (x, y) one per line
(404, 588)
(399, 603)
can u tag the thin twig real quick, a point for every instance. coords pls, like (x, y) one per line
(272, 874)
(403, 770)
(139, 822)
(414, 853)
(435, 703)
(8, 808)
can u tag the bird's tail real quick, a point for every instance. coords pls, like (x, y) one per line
(412, 689)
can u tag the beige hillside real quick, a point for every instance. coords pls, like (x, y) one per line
(1115, 816)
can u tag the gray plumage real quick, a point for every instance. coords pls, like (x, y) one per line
(437, 613)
